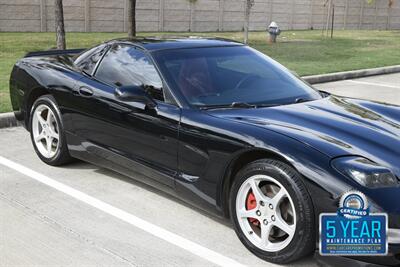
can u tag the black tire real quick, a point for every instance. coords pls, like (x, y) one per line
(62, 155)
(303, 242)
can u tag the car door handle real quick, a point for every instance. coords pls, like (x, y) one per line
(84, 91)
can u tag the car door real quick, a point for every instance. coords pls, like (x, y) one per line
(125, 134)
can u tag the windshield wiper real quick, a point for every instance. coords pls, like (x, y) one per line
(301, 100)
(241, 105)
(232, 105)
(268, 105)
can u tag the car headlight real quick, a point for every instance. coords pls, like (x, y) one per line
(365, 172)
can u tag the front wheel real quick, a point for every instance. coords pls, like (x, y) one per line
(47, 132)
(272, 212)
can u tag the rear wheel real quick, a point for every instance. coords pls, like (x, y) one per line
(272, 212)
(47, 133)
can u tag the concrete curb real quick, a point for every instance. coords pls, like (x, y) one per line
(337, 76)
(8, 120)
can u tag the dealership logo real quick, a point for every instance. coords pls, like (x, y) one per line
(353, 205)
(353, 230)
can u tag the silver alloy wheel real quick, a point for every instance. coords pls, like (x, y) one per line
(45, 130)
(271, 224)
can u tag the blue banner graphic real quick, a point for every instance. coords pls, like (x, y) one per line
(353, 230)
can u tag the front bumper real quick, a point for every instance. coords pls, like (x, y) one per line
(392, 259)
(394, 236)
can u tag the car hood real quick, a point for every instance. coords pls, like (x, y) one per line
(335, 126)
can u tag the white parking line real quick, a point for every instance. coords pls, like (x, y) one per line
(148, 227)
(374, 84)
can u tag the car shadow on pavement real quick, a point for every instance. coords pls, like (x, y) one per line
(115, 175)
(319, 260)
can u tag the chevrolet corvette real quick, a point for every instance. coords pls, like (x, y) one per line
(220, 125)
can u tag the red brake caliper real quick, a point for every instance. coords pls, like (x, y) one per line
(251, 203)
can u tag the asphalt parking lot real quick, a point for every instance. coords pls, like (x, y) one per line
(84, 215)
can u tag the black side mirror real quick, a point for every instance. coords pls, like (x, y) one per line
(134, 93)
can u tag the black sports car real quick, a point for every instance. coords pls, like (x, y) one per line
(220, 125)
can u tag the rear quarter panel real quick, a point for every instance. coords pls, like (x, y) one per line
(16, 96)
(35, 76)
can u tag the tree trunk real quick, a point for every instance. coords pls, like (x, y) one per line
(249, 4)
(131, 18)
(59, 18)
(246, 30)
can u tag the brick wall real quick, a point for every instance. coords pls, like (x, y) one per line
(203, 15)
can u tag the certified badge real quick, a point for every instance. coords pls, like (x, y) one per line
(353, 230)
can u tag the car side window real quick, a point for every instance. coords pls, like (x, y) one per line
(127, 65)
(88, 60)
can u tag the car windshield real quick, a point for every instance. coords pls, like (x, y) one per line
(236, 76)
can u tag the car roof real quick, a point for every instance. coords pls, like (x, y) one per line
(176, 42)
